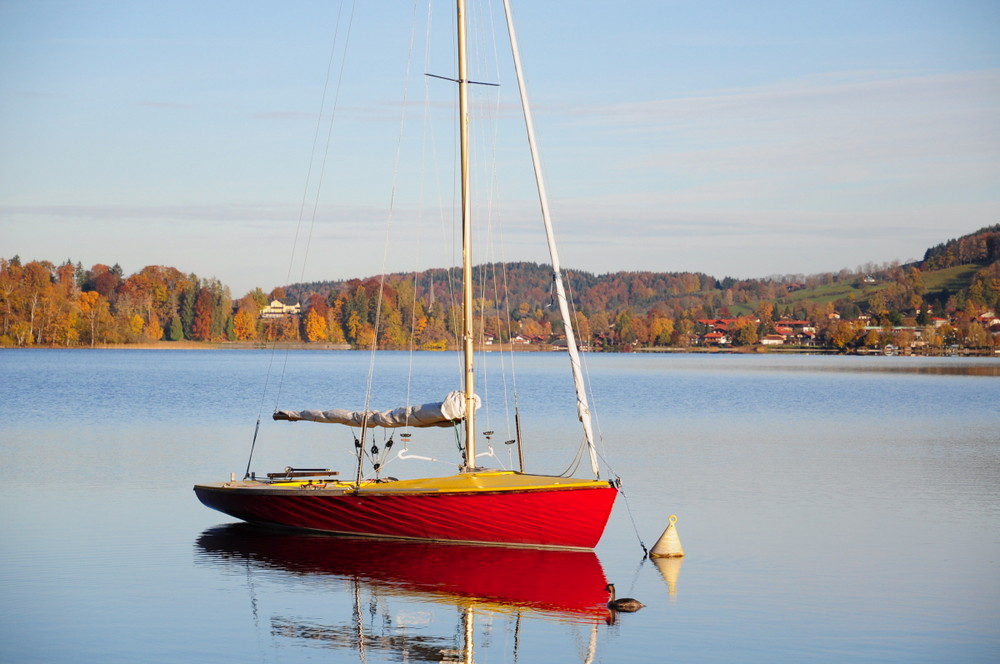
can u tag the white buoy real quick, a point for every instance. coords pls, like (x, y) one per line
(669, 544)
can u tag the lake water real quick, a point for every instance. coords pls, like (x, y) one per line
(831, 508)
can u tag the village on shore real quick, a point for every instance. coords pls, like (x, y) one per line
(946, 303)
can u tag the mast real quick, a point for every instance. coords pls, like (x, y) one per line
(582, 406)
(467, 313)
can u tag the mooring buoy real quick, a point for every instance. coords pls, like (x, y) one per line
(669, 544)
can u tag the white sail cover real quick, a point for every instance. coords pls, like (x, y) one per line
(442, 414)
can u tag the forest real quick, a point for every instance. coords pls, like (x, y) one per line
(68, 305)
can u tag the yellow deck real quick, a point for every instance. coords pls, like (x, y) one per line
(484, 481)
(460, 483)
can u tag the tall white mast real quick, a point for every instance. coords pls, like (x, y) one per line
(467, 313)
(582, 407)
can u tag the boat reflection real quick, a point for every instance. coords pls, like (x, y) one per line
(475, 580)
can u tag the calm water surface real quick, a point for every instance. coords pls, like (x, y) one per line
(832, 509)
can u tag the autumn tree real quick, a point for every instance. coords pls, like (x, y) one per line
(315, 324)
(95, 310)
(842, 333)
(201, 327)
(581, 325)
(10, 273)
(153, 331)
(624, 327)
(765, 314)
(976, 336)
(334, 322)
(433, 336)
(744, 331)
(683, 331)
(661, 330)
(245, 325)
(392, 334)
(871, 339)
(104, 280)
(135, 325)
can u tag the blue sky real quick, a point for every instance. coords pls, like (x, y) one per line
(733, 138)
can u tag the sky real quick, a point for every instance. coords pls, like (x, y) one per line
(264, 143)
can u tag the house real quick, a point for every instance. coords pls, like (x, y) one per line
(989, 319)
(288, 306)
(715, 339)
(558, 342)
(800, 332)
(797, 325)
(717, 324)
(772, 340)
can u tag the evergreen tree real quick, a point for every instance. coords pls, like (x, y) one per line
(186, 306)
(176, 332)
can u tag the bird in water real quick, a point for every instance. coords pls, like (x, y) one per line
(624, 604)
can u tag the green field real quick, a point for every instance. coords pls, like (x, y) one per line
(947, 280)
(950, 279)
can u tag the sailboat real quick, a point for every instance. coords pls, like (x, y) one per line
(476, 505)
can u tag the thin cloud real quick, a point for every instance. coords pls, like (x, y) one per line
(149, 103)
(846, 139)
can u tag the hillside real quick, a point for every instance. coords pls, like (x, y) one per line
(981, 248)
(68, 305)
(939, 282)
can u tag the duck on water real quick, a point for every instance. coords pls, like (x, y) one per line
(627, 604)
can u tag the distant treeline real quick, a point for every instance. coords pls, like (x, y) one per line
(981, 247)
(42, 303)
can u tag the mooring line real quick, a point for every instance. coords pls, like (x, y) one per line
(628, 508)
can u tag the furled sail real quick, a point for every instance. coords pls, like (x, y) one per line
(442, 414)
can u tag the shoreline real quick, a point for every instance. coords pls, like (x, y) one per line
(541, 348)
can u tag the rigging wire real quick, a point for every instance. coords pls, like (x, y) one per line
(411, 337)
(329, 138)
(490, 283)
(390, 215)
(575, 463)
(585, 368)
(322, 171)
(494, 195)
(413, 304)
(301, 216)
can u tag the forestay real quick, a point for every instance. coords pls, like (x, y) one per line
(443, 414)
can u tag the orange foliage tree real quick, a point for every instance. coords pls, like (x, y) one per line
(203, 310)
(315, 326)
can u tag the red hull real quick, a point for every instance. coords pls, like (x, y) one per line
(565, 518)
